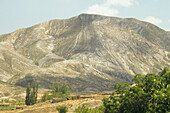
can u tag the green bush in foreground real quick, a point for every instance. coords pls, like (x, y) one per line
(62, 109)
(150, 94)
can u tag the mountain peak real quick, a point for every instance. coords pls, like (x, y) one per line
(93, 51)
(88, 17)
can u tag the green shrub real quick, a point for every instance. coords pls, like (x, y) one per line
(2, 101)
(6, 100)
(44, 97)
(58, 91)
(85, 109)
(9, 108)
(150, 94)
(60, 88)
(62, 109)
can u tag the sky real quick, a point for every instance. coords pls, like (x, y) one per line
(15, 14)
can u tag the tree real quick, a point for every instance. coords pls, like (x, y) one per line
(31, 96)
(36, 92)
(55, 88)
(148, 94)
(64, 88)
(62, 109)
(58, 91)
(27, 100)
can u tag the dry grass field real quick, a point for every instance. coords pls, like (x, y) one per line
(92, 101)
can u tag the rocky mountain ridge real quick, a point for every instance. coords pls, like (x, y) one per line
(89, 52)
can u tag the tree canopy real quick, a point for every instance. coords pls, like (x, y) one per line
(148, 93)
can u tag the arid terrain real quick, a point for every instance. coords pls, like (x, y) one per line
(93, 100)
(88, 52)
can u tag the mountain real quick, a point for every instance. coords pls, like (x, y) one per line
(89, 52)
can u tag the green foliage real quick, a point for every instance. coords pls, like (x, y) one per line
(9, 108)
(58, 91)
(62, 109)
(17, 102)
(6, 100)
(32, 99)
(85, 109)
(31, 96)
(44, 97)
(27, 100)
(64, 89)
(149, 94)
(12, 104)
(35, 93)
(60, 88)
(2, 101)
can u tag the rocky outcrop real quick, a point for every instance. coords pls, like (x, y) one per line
(89, 52)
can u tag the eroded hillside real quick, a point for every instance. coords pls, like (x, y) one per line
(89, 52)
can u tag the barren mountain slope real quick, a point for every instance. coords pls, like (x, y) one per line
(10, 91)
(90, 52)
(12, 63)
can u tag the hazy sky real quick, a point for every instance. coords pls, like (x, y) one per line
(15, 14)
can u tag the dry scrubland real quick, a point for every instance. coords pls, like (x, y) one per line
(92, 100)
